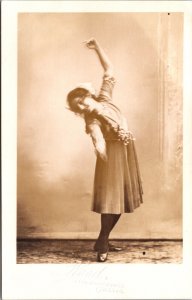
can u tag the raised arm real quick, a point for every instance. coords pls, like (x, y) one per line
(105, 62)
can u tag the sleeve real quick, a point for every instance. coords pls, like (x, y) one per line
(106, 90)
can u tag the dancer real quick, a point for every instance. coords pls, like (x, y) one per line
(117, 182)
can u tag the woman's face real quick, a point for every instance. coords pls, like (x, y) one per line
(86, 104)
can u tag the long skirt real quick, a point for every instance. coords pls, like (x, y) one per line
(117, 183)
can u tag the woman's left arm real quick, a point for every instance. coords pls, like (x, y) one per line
(104, 59)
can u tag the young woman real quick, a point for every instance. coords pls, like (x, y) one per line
(117, 183)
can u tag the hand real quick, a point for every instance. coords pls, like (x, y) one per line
(102, 155)
(100, 148)
(91, 43)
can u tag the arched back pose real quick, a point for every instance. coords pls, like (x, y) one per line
(117, 183)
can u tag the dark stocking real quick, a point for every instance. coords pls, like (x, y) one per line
(115, 220)
(108, 221)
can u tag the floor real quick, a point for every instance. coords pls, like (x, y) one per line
(81, 251)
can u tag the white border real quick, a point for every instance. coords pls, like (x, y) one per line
(98, 6)
(87, 281)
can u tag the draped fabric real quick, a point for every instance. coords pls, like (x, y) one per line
(117, 182)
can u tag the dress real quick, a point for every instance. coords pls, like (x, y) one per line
(117, 182)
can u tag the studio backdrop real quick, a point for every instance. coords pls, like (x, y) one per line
(56, 159)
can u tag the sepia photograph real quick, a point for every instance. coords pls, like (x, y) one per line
(99, 161)
(96, 150)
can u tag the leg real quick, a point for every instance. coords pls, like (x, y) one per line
(111, 246)
(107, 221)
(115, 220)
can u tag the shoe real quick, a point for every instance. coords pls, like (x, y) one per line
(102, 257)
(113, 248)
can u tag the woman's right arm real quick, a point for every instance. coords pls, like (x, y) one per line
(98, 141)
(94, 130)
